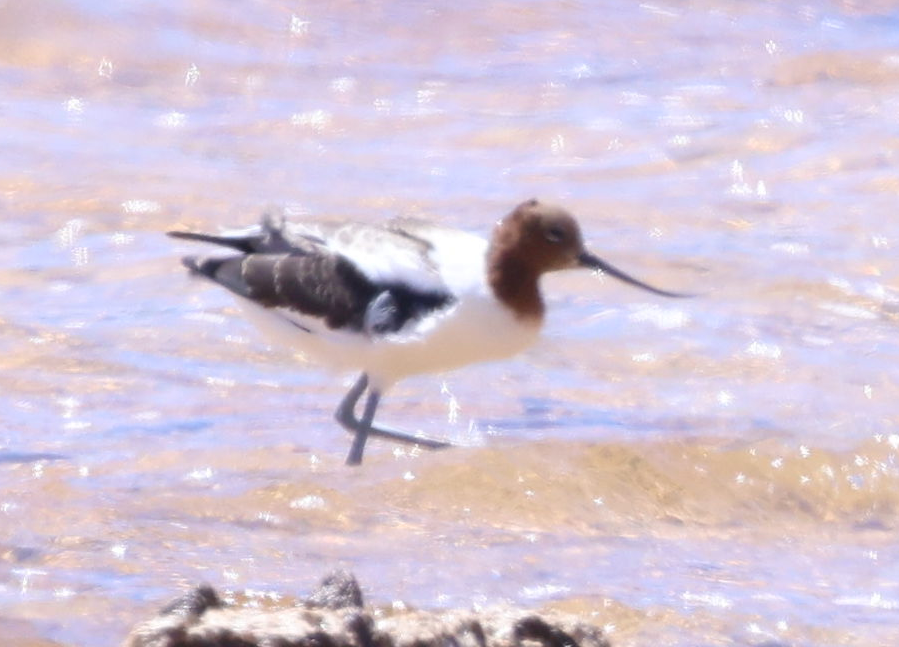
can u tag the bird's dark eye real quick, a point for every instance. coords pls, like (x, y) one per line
(555, 234)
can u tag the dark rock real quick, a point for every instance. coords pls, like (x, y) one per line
(196, 603)
(337, 591)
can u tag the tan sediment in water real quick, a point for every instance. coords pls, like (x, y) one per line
(713, 471)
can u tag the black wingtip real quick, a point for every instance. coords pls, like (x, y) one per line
(203, 266)
(192, 263)
(227, 271)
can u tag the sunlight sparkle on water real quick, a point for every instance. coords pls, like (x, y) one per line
(192, 75)
(763, 349)
(105, 68)
(74, 105)
(298, 26)
(790, 248)
(200, 474)
(317, 120)
(172, 120)
(141, 206)
(343, 84)
(70, 232)
(308, 502)
(452, 404)
(697, 446)
(874, 600)
(714, 600)
(544, 591)
(662, 318)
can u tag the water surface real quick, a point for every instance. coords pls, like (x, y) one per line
(714, 471)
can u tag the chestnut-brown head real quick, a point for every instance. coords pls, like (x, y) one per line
(537, 238)
(540, 237)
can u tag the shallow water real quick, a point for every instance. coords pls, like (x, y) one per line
(714, 471)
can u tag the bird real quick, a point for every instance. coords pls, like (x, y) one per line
(398, 298)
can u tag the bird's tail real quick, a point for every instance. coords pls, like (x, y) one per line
(241, 244)
(267, 237)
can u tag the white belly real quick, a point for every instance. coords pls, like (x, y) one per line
(473, 332)
(476, 329)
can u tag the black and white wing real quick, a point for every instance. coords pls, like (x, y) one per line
(356, 277)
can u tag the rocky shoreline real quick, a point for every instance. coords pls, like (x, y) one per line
(335, 616)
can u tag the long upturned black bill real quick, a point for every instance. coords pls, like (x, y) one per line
(587, 259)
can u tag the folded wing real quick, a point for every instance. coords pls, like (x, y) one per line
(363, 278)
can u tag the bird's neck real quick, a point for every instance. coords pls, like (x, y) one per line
(515, 284)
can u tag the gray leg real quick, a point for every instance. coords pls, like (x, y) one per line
(408, 439)
(363, 428)
(345, 410)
